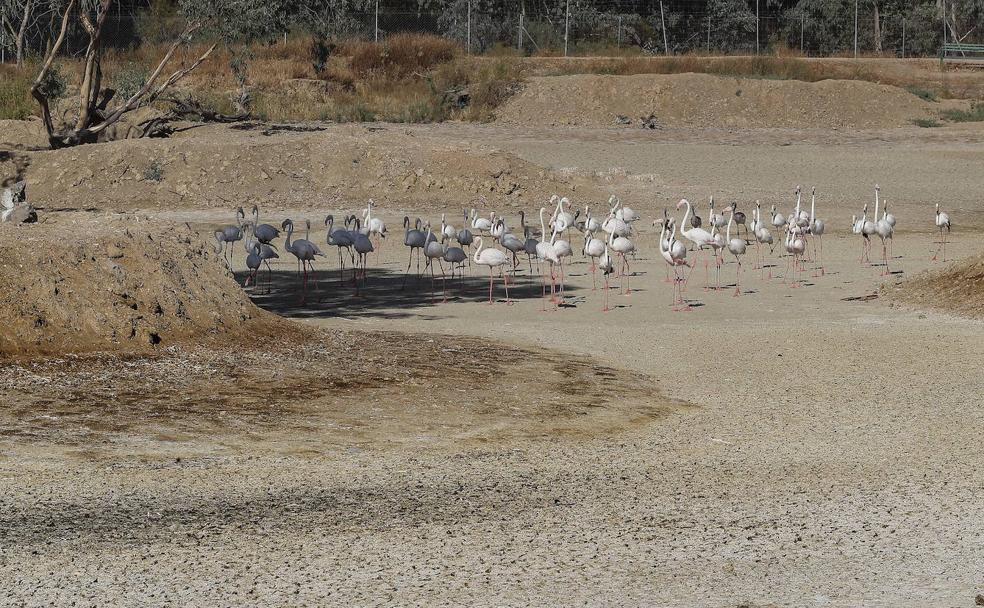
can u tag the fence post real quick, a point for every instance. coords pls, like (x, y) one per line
(708, 33)
(469, 28)
(757, 27)
(376, 23)
(903, 36)
(519, 40)
(855, 29)
(618, 34)
(662, 26)
(802, 28)
(567, 25)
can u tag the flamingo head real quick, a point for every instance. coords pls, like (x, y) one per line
(286, 223)
(814, 190)
(683, 202)
(329, 220)
(553, 199)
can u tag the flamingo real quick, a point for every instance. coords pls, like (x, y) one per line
(415, 239)
(512, 243)
(435, 251)
(374, 225)
(763, 236)
(265, 233)
(546, 253)
(623, 246)
(363, 246)
(737, 248)
(884, 231)
(493, 258)
(563, 250)
(465, 237)
(778, 221)
(304, 250)
(455, 256)
(593, 248)
(529, 245)
(227, 235)
(942, 221)
(739, 217)
(480, 224)
(698, 236)
(675, 254)
(717, 247)
(717, 220)
(817, 228)
(447, 230)
(341, 239)
(607, 266)
(868, 230)
(795, 246)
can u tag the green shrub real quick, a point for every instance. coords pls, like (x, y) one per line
(974, 114)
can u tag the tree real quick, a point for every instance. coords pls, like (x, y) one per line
(94, 114)
(19, 17)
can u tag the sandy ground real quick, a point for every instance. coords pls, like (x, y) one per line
(808, 446)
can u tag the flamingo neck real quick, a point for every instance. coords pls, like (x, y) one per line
(478, 250)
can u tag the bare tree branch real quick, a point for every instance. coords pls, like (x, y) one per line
(46, 67)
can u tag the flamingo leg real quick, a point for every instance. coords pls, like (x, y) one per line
(505, 282)
(738, 277)
(606, 308)
(491, 279)
(444, 285)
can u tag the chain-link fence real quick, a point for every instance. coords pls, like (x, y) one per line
(667, 27)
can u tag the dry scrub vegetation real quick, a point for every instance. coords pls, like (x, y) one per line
(417, 78)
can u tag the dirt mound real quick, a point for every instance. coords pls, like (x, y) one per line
(957, 288)
(706, 101)
(293, 166)
(96, 284)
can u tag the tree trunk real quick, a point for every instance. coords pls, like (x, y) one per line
(878, 36)
(22, 32)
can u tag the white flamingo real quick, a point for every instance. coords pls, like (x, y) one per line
(817, 228)
(545, 253)
(493, 258)
(593, 248)
(942, 222)
(675, 255)
(737, 248)
(698, 236)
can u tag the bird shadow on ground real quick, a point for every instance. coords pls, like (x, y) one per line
(382, 296)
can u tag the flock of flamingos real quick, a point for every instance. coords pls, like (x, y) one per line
(606, 239)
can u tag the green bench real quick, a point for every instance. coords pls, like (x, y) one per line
(962, 51)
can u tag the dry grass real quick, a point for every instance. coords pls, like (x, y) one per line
(400, 56)
(414, 78)
(15, 93)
